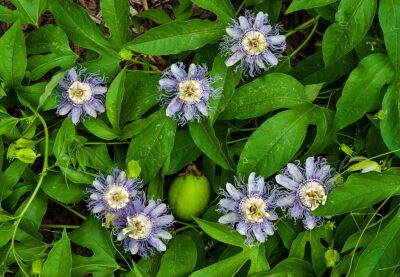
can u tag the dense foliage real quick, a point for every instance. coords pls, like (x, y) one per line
(281, 119)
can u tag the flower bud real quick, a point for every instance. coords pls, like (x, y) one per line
(25, 155)
(332, 257)
(344, 148)
(25, 143)
(125, 54)
(37, 267)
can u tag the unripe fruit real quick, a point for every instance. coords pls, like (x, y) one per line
(189, 194)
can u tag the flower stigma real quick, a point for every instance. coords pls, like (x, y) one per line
(139, 227)
(254, 43)
(312, 194)
(117, 197)
(255, 209)
(79, 93)
(190, 91)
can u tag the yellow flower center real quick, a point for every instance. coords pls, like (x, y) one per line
(139, 227)
(254, 209)
(254, 43)
(117, 197)
(190, 91)
(312, 194)
(79, 93)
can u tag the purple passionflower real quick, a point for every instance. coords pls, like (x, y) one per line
(110, 195)
(249, 208)
(187, 94)
(305, 189)
(144, 228)
(253, 43)
(81, 96)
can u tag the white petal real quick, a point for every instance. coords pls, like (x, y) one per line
(228, 218)
(98, 208)
(236, 194)
(234, 32)
(121, 236)
(234, 58)
(174, 106)
(99, 90)
(294, 171)
(164, 220)
(202, 107)
(152, 204)
(244, 23)
(310, 167)
(271, 58)
(286, 201)
(134, 247)
(179, 73)
(167, 83)
(286, 182)
(98, 185)
(227, 204)
(163, 234)
(258, 233)
(95, 196)
(72, 75)
(252, 178)
(110, 180)
(259, 21)
(158, 244)
(121, 177)
(277, 39)
(75, 115)
(242, 228)
(65, 109)
(157, 211)
(189, 112)
(192, 70)
(90, 110)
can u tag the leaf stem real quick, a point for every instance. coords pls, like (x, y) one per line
(240, 8)
(237, 140)
(108, 143)
(59, 226)
(305, 25)
(315, 20)
(78, 214)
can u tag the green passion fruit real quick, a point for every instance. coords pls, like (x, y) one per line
(189, 194)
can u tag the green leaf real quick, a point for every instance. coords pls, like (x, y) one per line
(360, 191)
(225, 80)
(222, 233)
(153, 145)
(389, 19)
(176, 37)
(289, 267)
(372, 73)
(30, 11)
(93, 236)
(156, 15)
(116, 15)
(180, 258)
(297, 5)
(265, 94)
(61, 189)
(6, 232)
(204, 137)
(390, 130)
(276, 141)
(48, 47)
(142, 89)
(12, 56)
(222, 8)
(10, 177)
(183, 153)
(314, 238)
(100, 129)
(258, 260)
(59, 261)
(65, 137)
(114, 97)
(382, 255)
(226, 267)
(7, 15)
(80, 28)
(50, 86)
(353, 19)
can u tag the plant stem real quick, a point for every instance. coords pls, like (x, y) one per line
(108, 143)
(305, 25)
(240, 8)
(236, 140)
(315, 20)
(34, 193)
(78, 214)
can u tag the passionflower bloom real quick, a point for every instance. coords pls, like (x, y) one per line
(253, 43)
(110, 195)
(144, 228)
(305, 189)
(81, 96)
(186, 94)
(249, 208)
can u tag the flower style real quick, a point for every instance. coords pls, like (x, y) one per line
(253, 42)
(110, 195)
(187, 94)
(81, 96)
(305, 189)
(143, 228)
(249, 208)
